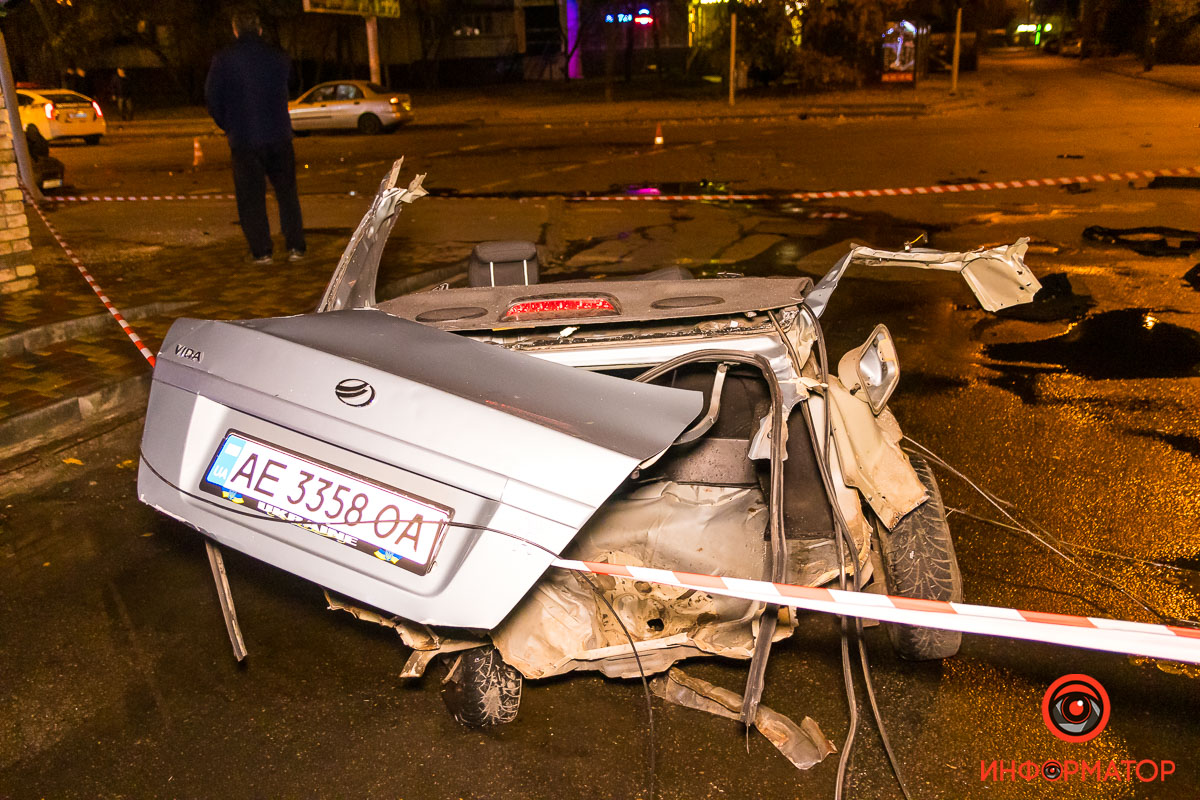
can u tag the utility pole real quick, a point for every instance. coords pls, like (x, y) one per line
(957, 51)
(732, 55)
(20, 146)
(1151, 43)
(1087, 26)
(373, 48)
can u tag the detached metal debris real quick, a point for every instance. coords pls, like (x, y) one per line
(804, 745)
(428, 458)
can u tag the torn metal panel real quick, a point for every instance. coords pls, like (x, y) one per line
(804, 744)
(426, 644)
(997, 275)
(562, 625)
(353, 281)
(868, 447)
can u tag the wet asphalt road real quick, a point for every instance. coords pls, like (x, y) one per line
(1080, 410)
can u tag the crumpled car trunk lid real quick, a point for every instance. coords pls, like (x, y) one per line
(490, 442)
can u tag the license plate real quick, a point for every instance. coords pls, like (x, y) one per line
(379, 520)
(78, 115)
(52, 183)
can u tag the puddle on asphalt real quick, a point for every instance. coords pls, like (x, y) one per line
(1130, 343)
(1184, 443)
(682, 187)
(1192, 277)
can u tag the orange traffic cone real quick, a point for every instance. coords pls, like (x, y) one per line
(658, 140)
(197, 153)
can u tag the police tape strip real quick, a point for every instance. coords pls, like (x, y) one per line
(907, 191)
(87, 276)
(96, 198)
(1095, 633)
(841, 194)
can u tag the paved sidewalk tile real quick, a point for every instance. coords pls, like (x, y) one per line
(213, 278)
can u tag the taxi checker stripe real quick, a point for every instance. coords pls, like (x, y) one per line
(87, 276)
(1096, 633)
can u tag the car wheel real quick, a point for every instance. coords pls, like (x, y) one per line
(481, 690)
(93, 139)
(918, 561)
(369, 124)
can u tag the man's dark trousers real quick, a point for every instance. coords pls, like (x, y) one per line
(252, 166)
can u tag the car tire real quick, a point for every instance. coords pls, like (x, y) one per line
(481, 690)
(369, 124)
(919, 561)
(93, 139)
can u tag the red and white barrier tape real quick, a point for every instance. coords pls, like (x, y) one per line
(1095, 633)
(907, 191)
(95, 198)
(87, 276)
(841, 194)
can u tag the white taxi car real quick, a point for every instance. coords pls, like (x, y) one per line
(367, 107)
(61, 114)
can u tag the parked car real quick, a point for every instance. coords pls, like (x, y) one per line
(350, 105)
(61, 114)
(426, 458)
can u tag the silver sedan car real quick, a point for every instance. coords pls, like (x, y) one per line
(368, 107)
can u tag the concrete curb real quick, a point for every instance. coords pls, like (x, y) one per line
(641, 116)
(60, 419)
(1143, 76)
(44, 335)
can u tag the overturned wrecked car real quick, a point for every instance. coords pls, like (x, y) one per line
(427, 458)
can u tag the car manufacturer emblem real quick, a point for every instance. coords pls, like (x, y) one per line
(355, 392)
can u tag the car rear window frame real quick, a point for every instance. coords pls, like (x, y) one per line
(67, 98)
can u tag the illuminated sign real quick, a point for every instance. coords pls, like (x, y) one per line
(643, 17)
(365, 8)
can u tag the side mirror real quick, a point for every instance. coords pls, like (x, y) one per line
(873, 368)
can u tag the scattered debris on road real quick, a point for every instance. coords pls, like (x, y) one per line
(1152, 240)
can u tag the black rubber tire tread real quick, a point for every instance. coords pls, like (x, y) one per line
(484, 691)
(369, 124)
(919, 561)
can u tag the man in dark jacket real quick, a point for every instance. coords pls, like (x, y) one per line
(247, 92)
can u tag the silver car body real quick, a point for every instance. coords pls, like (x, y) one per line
(525, 440)
(342, 104)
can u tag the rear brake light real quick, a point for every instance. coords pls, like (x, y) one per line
(554, 307)
(49, 109)
(96, 107)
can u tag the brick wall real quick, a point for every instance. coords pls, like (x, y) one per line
(16, 264)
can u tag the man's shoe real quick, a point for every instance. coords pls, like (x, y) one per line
(261, 261)
(296, 255)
